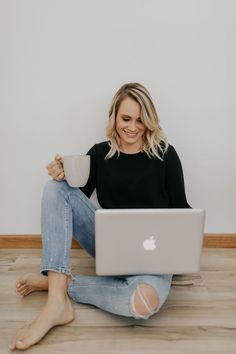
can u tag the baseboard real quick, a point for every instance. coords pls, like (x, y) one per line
(227, 240)
(25, 241)
(219, 240)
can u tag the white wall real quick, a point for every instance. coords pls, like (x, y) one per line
(61, 63)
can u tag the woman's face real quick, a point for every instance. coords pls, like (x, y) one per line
(129, 125)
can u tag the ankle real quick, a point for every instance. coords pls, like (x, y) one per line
(58, 297)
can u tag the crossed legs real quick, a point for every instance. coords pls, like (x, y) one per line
(65, 210)
(144, 299)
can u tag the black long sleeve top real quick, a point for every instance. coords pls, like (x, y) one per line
(136, 180)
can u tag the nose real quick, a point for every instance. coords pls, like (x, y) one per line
(132, 127)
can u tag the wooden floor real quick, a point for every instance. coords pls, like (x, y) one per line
(199, 315)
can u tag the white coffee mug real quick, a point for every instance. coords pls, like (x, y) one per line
(77, 169)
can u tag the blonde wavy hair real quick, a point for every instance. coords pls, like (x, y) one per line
(155, 142)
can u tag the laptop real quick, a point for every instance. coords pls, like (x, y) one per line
(148, 241)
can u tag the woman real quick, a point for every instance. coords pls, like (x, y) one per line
(135, 168)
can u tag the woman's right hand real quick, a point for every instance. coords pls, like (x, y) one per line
(55, 169)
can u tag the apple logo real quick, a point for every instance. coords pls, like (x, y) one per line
(149, 244)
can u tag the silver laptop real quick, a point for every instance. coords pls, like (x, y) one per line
(148, 241)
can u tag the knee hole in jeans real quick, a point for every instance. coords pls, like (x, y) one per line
(145, 300)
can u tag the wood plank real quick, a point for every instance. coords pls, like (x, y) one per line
(199, 315)
(211, 240)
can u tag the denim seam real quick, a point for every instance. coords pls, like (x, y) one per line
(58, 269)
(66, 230)
(97, 285)
(108, 285)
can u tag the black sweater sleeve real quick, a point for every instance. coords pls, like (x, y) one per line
(175, 180)
(91, 183)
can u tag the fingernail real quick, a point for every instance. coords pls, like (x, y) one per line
(10, 346)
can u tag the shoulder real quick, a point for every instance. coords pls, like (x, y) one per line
(99, 149)
(170, 150)
(171, 155)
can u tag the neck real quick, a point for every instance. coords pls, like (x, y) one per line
(130, 149)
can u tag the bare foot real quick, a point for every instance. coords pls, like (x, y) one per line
(58, 311)
(31, 282)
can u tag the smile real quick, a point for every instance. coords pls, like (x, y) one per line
(131, 135)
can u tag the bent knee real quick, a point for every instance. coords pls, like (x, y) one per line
(145, 301)
(52, 188)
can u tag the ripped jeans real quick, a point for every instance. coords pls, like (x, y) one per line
(67, 213)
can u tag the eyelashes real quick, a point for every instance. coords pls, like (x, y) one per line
(127, 119)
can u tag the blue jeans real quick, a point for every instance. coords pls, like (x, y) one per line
(68, 213)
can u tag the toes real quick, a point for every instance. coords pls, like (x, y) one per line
(22, 344)
(19, 288)
(19, 337)
(25, 341)
(22, 289)
(26, 291)
(19, 284)
(12, 345)
(21, 281)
